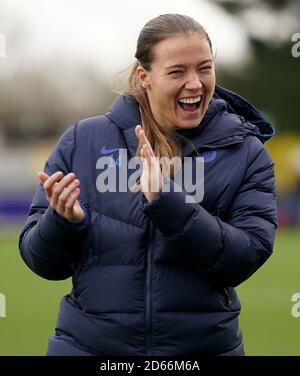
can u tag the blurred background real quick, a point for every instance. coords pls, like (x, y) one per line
(60, 61)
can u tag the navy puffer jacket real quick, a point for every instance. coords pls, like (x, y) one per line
(158, 278)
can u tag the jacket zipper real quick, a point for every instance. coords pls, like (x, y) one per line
(148, 308)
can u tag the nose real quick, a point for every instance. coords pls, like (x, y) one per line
(193, 82)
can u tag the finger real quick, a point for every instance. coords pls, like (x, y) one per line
(52, 179)
(154, 180)
(144, 141)
(64, 196)
(145, 163)
(50, 182)
(42, 176)
(140, 134)
(64, 182)
(71, 202)
(150, 157)
(145, 155)
(143, 138)
(151, 160)
(147, 168)
(137, 130)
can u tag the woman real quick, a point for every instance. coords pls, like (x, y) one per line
(153, 273)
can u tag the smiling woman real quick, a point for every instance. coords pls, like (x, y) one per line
(181, 81)
(154, 273)
(173, 80)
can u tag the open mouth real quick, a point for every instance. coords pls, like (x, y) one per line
(190, 104)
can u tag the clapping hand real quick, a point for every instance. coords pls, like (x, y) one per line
(62, 192)
(151, 178)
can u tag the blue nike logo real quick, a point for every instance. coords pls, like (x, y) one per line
(208, 156)
(107, 151)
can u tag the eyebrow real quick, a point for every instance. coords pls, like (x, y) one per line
(182, 65)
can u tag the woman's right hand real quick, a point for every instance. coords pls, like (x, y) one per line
(62, 192)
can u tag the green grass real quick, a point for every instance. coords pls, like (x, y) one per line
(31, 303)
(266, 320)
(268, 325)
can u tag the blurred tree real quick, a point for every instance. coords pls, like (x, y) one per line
(35, 105)
(237, 6)
(39, 100)
(271, 80)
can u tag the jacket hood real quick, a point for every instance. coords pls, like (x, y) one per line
(240, 106)
(228, 120)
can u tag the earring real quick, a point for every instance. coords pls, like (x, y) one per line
(145, 84)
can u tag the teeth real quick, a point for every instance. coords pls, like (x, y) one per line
(190, 100)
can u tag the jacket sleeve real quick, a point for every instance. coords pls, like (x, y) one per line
(48, 243)
(228, 251)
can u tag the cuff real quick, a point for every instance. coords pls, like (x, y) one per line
(57, 231)
(76, 226)
(169, 210)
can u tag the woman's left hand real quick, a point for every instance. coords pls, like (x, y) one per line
(151, 178)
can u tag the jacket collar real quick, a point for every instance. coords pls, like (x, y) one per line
(124, 112)
(240, 106)
(228, 119)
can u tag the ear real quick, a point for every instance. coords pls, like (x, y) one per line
(143, 76)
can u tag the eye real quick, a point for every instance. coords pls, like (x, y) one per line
(176, 72)
(206, 68)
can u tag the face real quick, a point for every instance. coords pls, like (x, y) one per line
(181, 81)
